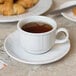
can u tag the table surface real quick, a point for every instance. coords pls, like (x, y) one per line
(64, 67)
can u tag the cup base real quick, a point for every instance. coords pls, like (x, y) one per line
(37, 53)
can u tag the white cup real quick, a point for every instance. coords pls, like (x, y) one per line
(38, 43)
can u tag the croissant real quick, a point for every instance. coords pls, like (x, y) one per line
(18, 9)
(9, 1)
(1, 1)
(35, 1)
(25, 3)
(8, 8)
(74, 11)
(15, 7)
(1, 8)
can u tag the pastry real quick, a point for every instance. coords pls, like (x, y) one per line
(35, 1)
(1, 1)
(74, 11)
(26, 3)
(1, 8)
(15, 7)
(18, 9)
(8, 8)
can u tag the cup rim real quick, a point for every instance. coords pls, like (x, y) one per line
(44, 33)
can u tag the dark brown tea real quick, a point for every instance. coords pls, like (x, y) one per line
(37, 27)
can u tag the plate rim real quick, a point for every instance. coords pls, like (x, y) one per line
(68, 17)
(64, 15)
(29, 62)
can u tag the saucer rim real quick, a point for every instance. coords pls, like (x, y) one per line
(30, 62)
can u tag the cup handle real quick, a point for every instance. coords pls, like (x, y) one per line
(66, 34)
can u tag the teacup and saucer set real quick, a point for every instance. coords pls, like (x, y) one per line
(37, 47)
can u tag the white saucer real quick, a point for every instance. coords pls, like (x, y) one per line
(69, 14)
(41, 7)
(13, 49)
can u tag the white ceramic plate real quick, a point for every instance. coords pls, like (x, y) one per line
(13, 49)
(41, 7)
(69, 14)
